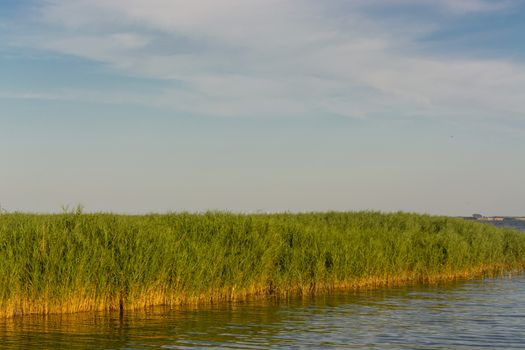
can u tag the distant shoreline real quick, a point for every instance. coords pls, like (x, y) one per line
(515, 222)
(494, 217)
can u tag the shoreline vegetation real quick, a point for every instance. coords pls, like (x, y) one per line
(75, 262)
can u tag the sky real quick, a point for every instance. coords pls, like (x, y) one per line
(138, 106)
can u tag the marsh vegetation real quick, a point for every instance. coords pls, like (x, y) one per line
(82, 262)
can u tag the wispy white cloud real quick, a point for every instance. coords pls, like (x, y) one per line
(29, 95)
(451, 6)
(465, 6)
(288, 57)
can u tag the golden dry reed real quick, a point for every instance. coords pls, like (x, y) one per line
(85, 262)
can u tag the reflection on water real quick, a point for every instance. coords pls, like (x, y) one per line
(474, 314)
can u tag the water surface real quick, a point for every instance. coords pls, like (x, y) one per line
(481, 314)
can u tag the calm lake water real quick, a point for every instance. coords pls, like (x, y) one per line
(480, 314)
(517, 224)
(512, 223)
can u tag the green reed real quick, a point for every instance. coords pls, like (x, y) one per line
(78, 262)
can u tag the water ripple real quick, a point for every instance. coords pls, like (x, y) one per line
(487, 314)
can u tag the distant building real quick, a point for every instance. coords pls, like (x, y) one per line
(491, 218)
(487, 218)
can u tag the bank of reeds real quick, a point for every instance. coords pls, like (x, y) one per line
(80, 262)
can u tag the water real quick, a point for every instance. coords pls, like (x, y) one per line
(481, 314)
(512, 223)
(517, 224)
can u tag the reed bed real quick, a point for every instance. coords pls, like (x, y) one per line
(84, 262)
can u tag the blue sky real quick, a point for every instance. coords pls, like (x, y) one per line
(276, 105)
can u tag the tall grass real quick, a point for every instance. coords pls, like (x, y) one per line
(79, 262)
